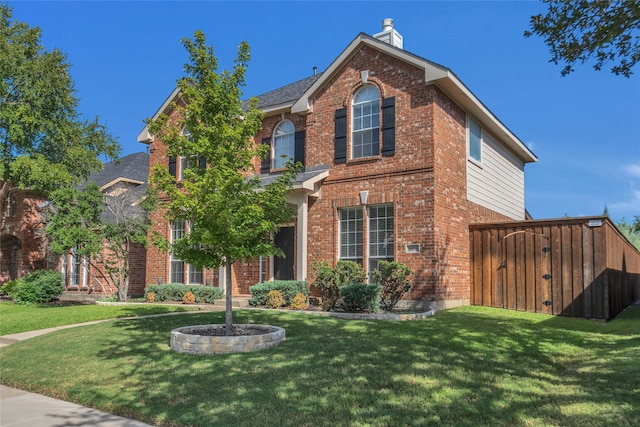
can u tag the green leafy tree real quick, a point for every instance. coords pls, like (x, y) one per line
(44, 141)
(231, 215)
(579, 30)
(631, 231)
(101, 228)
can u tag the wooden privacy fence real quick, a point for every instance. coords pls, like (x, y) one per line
(581, 267)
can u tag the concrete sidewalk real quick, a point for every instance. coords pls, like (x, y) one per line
(21, 408)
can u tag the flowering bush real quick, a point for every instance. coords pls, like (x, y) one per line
(189, 298)
(299, 302)
(275, 299)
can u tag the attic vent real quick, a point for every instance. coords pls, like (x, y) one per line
(412, 248)
(389, 34)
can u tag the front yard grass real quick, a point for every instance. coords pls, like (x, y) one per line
(16, 318)
(464, 367)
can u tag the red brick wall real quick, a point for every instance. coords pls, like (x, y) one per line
(425, 179)
(453, 212)
(25, 225)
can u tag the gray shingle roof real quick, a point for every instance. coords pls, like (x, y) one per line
(308, 173)
(285, 94)
(134, 166)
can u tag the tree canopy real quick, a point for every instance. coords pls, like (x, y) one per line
(100, 227)
(230, 214)
(44, 141)
(631, 231)
(577, 31)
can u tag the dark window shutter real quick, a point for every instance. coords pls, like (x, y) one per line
(389, 126)
(202, 162)
(299, 146)
(172, 167)
(266, 162)
(340, 141)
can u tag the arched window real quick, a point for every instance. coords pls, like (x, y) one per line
(283, 144)
(365, 132)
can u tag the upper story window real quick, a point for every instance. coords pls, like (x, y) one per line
(372, 119)
(185, 162)
(474, 138)
(366, 123)
(283, 144)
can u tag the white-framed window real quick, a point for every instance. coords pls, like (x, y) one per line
(176, 274)
(350, 232)
(181, 271)
(78, 268)
(263, 270)
(186, 162)
(474, 138)
(380, 235)
(381, 240)
(9, 207)
(283, 144)
(365, 129)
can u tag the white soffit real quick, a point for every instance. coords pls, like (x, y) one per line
(144, 136)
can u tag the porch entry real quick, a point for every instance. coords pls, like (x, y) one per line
(283, 267)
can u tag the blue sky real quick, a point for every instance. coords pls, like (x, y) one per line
(584, 128)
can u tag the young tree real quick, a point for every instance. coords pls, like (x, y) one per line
(578, 30)
(231, 215)
(101, 228)
(44, 142)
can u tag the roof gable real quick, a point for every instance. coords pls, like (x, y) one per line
(435, 74)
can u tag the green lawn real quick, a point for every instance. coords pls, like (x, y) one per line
(464, 367)
(20, 318)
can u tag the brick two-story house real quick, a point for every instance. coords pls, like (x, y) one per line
(399, 158)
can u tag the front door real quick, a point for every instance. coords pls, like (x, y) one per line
(283, 267)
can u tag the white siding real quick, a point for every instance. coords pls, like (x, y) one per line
(498, 183)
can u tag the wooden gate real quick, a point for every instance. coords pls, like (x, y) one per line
(579, 267)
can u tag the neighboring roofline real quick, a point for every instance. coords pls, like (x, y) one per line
(120, 179)
(144, 136)
(434, 73)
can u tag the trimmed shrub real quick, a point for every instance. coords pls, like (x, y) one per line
(189, 298)
(288, 288)
(8, 287)
(330, 280)
(38, 287)
(299, 302)
(393, 278)
(206, 294)
(176, 291)
(275, 299)
(361, 297)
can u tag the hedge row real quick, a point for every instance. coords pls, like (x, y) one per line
(176, 291)
(288, 288)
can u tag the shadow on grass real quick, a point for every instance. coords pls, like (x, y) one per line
(468, 367)
(471, 366)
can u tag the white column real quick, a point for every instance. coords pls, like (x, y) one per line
(301, 236)
(222, 276)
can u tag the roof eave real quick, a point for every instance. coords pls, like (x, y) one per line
(453, 87)
(145, 136)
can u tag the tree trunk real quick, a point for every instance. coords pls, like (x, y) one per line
(228, 299)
